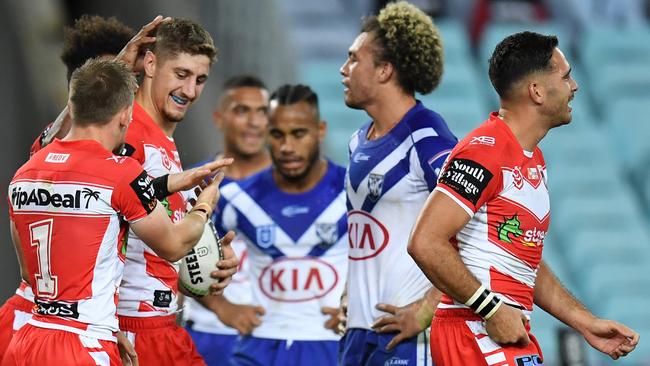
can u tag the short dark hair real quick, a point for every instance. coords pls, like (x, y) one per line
(406, 37)
(244, 81)
(183, 36)
(295, 93)
(518, 56)
(99, 89)
(93, 36)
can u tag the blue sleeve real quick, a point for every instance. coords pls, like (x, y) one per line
(432, 153)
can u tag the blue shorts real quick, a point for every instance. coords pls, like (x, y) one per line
(216, 349)
(362, 347)
(251, 351)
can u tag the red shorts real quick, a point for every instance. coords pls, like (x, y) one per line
(15, 313)
(158, 341)
(39, 346)
(458, 337)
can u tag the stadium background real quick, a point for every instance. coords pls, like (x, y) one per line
(599, 166)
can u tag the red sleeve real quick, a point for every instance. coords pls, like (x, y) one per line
(134, 196)
(134, 145)
(471, 176)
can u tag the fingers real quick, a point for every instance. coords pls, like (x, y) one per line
(329, 311)
(226, 240)
(213, 166)
(391, 309)
(383, 321)
(395, 341)
(259, 310)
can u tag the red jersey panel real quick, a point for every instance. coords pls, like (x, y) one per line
(69, 203)
(150, 283)
(503, 189)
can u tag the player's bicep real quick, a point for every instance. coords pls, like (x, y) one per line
(155, 230)
(441, 217)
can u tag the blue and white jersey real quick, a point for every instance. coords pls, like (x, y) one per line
(387, 182)
(238, 291)
(297, 250)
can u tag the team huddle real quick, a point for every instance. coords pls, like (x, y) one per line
(424, 250)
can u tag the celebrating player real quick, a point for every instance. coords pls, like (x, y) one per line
(394, 163)
(69, 206)
(293, 219)
(242, 118)
(480, 235)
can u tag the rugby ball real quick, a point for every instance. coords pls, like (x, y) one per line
(196, 266)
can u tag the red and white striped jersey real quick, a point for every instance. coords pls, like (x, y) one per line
(150, 283)
(69, 203)
(503, 189)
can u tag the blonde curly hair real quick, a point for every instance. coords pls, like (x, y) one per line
(406, 37)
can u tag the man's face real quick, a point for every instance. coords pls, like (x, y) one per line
(359, 72)
(243, 119)
(295, 134)
(177, 82)
(560, 88)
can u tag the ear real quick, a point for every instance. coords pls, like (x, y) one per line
(125, 117)
(536, 92)
(386, 71)
(217, 119)
(149, 64)
(322, 131)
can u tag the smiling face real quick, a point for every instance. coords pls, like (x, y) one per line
(176, 82)
(243, 119)
(295, 134)
(359, 72)
(560, 90)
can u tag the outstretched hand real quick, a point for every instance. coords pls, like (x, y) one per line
(610, 337)
(191, 178)
(132, 53)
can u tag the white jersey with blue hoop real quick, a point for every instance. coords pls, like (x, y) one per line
(297, 250)
(387, 182)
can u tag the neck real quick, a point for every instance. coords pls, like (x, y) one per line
(144, 97)
(305, 184)
(245, 165)
(95, 133)
(525, 124)
(388, 110)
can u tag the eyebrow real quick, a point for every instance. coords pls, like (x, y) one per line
(567, 73)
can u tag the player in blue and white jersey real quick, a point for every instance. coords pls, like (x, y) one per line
(242, 117)
(293, 218)
(394, 164)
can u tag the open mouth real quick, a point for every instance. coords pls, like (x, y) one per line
(179, 100)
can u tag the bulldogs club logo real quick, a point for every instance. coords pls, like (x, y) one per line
(375, 185)
(327, 233)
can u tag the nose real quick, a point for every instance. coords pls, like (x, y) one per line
(344, 68)
(287, 146)
(189, 89)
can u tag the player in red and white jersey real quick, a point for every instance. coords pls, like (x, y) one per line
(91, 36)
(69, 209)
(479, 237)
(176, 68)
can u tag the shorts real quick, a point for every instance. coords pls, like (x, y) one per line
(458, 337)
(53, 347)
(159, 341)
(363, 347)
(216, 349)
(15, 313)
(251, 351)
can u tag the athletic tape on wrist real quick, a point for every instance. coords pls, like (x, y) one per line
(484, 302)
(160, 187)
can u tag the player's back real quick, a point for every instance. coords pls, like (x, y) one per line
(68, 203)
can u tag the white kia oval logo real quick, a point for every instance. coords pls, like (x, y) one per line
(298, 279)
(367, 236)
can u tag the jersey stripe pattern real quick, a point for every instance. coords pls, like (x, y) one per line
(388, 181)
(150, 283)
(297, 250)
(503, 189)
(69, 203)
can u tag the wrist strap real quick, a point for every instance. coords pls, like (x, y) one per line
(484, 302)
(204, 208)
(160, 187)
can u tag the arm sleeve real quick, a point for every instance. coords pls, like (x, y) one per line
(134, 196)
(471, 176)
(432, 153)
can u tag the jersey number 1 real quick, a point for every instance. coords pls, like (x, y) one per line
(41, 237)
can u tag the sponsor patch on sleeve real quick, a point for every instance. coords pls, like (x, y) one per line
(467, 178)
(143, 188)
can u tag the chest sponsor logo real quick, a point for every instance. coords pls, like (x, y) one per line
(367, 237)
(44, 197)
(393, 361)
(510, 229)
(56, 158)
(467, 178)
(375, 185)
(57, 308)
(293, 210)
(530, 360)
(360, 157)
(162, 298)
(298, 279)
(265, 235)
(327, 233)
